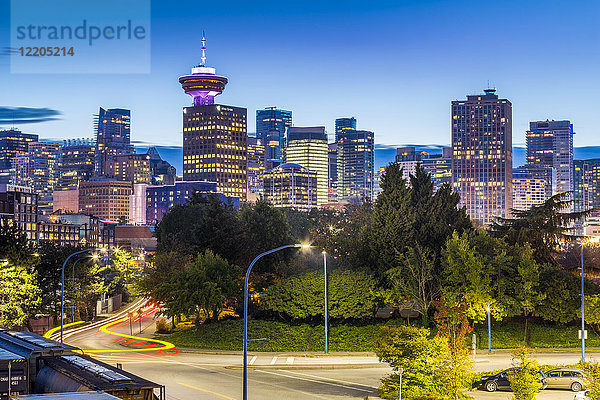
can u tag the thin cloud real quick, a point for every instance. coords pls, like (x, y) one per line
(27, 115)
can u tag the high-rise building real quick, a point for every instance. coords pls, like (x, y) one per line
(291, 185)
(76, 162)
(271, 125)
(439, 166)
(13, 142)
(308, 147)
(39, 168)
(550, 144)
(214, 136)
(19, 204)
(134, 168)
(344, 124)
(355, 164)
(105, 199)
(408, 158)
(113, 136)
(586, 190)
(482, 155)
(256, 167)
(532, 186)
(333, 181)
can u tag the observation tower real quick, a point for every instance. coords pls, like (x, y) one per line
(203, 84)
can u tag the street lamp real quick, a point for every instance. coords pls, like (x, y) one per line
(581, 242)
(489, 318)
(62, 291)
(326, 319)
(245, 373)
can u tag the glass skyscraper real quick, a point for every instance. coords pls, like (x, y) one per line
(307, 146)
(550, 145)
(13, 143)
(355, 163)
(113, 136)
(271, 126)
(482, 155)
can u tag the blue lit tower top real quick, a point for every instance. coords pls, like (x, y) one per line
(203, 84)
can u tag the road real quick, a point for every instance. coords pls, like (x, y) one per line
(214, 375)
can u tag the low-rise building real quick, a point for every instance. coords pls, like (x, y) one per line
(105, 199)
(291, 185)
(19, 204)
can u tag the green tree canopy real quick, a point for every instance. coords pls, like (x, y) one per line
(19, 295)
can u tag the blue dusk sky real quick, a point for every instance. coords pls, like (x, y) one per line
(395, 66)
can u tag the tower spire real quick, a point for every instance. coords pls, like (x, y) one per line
(203, 50)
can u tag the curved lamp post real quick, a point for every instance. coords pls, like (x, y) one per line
(245, 373)
(62, 290)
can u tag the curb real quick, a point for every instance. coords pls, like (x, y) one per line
(275, 353)
(310, 366)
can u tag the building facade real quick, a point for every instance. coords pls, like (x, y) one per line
(333, 177)
(13, 142)
(76, 162)
(550, 145)
(19, 204)
(134, 168)
(160, 199)
(355, 165)
(439, 166)
(105, 199)
(482, 155)
(271, 126)
(39, 168)
(113, 136)
(291, 185)
(256, 168)
(344, 124)
(308, 147)
(53, 230)
(532, 186)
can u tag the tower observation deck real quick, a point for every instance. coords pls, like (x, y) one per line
(203, 84)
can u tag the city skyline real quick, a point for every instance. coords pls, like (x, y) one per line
(412, 57)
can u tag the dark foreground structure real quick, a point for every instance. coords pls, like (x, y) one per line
(36, 365)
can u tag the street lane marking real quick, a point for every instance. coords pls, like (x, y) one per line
(290, 360)
(274, 360)
(315, 381)
(328, 379)
(253, 359)
(205, 391)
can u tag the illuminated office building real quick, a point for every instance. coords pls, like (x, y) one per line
(308, 147)
(39, 168)
(586, 187)
(214, 135)
(482, 155)
(344, 124)
(13, 142)
(76, 162)
(19, 204)
(355, 164)
(134, 168)
(439, 166)
(113, 132)
(532, 186)
(271, 125)
(332, 157)
(550, 144)
(291, 185)
(256, 167)
(105, 199)
(408, 158)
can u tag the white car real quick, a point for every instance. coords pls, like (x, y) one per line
(582, 395)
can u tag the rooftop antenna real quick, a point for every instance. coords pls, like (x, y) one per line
(203, 50)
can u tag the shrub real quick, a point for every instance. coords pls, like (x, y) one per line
(162, 326)
(593, 369)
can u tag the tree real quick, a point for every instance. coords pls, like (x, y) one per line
(392, 221)
(415, 279)
(593, 370)
(542, 226)
(19, 295)
(203, 288)
(14, 245)
(350, 295)
(418, 354)
(479, 269)
(456, 370)
(524, 376)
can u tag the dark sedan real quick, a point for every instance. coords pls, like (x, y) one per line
(500, 381)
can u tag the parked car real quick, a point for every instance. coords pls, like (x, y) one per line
(568, 378)
(500, 381)
(582, 395)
